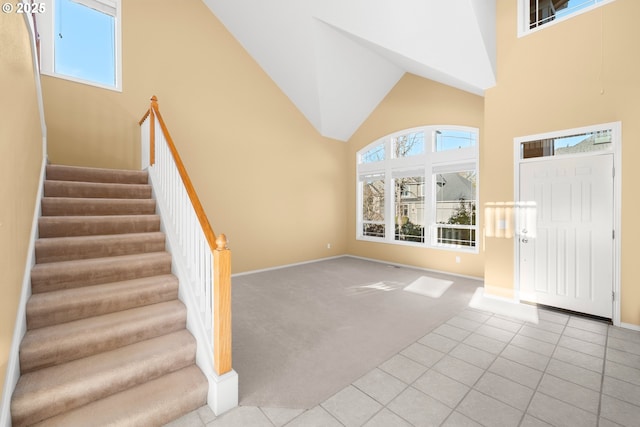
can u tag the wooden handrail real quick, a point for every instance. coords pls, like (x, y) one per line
(146, 114)
(154, 112)
(222, 342)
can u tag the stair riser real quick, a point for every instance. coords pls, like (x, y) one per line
(53, 308)
(66, 249)
(96, 190)
(80, 226)
(74, 173)
(54, 206)
(38, 355)
(96, 385)
(57, 277)
(106, 340)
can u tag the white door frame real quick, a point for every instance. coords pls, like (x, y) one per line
(616, 150)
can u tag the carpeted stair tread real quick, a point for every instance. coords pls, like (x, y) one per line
(75, 206)
(88, 174)
(55, 249)
(68, 226)
(53, 308)
(106, 340)
(96, 190)
(53, 345)
(86, 272)
(51, 391)
(154, 403)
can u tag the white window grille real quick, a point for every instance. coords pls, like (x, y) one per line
(535, 14)
(402, 197)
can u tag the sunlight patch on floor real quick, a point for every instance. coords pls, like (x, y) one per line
(385, 286)
(429, 286)
(525, 312)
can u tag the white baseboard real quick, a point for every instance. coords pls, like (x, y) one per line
(279, 267)
(630, 326)
(13, 364)
(431, 270)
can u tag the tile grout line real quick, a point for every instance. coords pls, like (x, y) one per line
(516, 332)
(544, 372)
(429, 368)
(604, 367)
(510, 342)
(454, 409)
(471, 387)
(525, 411)
(485, 370)
(267, 416)
(383, 405)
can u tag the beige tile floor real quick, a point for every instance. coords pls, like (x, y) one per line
(481, 369)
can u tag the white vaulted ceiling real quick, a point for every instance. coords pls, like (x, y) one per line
(337, 59)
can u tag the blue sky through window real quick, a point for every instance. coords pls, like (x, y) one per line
(84, 43)
(573, 6)
(454, 139)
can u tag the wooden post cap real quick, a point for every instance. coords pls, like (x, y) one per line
(221, 243)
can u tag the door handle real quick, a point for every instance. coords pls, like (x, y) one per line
(524, 240)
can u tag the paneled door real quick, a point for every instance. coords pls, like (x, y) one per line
(565, 231)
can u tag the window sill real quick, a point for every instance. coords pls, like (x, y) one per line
(461, 249)
(81, 81)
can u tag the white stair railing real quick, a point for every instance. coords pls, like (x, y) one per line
(202, 262)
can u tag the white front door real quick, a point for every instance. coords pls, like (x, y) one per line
(565, 233)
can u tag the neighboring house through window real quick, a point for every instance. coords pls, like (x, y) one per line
(81, 41)
(419, 187)
(536, 13)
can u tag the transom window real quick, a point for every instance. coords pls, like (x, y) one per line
(599, 140)
(419, 187)
(536, 13)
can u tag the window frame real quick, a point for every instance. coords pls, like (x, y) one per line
(46, 31)
(426, 165)
(524, 14)
(437, 226)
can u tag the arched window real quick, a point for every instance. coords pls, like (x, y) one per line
(420, 187)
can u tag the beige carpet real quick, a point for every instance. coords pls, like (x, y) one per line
(303, 333)
(105, 327)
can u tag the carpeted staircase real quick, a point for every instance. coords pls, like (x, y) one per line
(106, 342)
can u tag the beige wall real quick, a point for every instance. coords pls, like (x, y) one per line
(414, 101)
(580, 72)
(282, 193)
(266, 178)
(20, 162)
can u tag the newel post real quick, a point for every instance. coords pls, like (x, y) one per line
(222, 306)
(152, 130)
